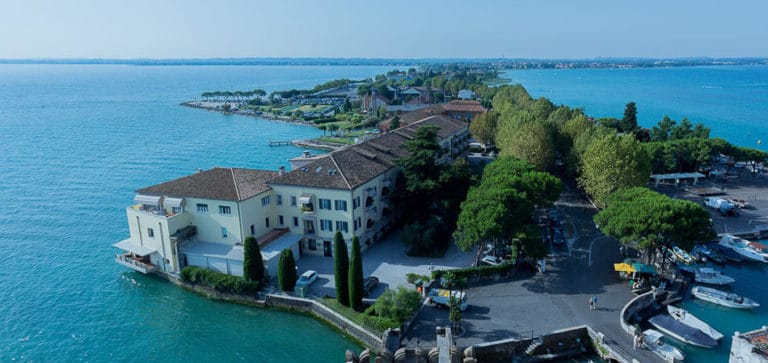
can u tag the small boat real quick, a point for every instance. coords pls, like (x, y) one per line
(759, 248)
(727, 253)
(682, 256)
(707, 254)
(652, 340)
(706, 275)
(682, 332)
(691, 320)
(723, 298)
(740, 246)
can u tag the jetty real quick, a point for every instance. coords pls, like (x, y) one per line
(280, 143)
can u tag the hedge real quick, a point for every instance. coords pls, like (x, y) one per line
(478, 271)
(218, 281)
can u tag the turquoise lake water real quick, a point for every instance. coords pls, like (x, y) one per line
(733, 101)
(75, 142)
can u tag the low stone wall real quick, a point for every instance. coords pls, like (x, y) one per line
(561, 343)
(325, 313)
(286, 302)
(629, 314)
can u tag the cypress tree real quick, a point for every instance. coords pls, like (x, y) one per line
(356, 276)
(341, 269)
(253, 264)
(286, 270)
(629, 122)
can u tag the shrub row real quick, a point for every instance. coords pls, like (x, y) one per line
(325, 120)
(477, 271)
(218, 281)
(378, 323)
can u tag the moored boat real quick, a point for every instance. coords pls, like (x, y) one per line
(682, 332)
(711, 276)
(759, 248)
(723, 298)
(707, 254)
(682, 256)
(739, 245)
(652, 339)
(691, 320)
(727, 253)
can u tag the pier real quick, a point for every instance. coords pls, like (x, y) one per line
(280, 143)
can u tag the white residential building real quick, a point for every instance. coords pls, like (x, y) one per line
(202, 219)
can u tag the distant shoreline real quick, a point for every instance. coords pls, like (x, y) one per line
(502, 63)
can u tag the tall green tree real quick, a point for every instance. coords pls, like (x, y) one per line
(483, 127)
(531, 141)
(356, 276)
(503, 203)
(395, 124)
(286, 270)
(651, 221)
(628, 123)
(253, 264)
(613, 162)
(341, 269)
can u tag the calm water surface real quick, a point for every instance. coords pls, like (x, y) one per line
(75, 142)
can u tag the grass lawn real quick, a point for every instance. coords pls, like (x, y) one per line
(309, 108)
(336, 140)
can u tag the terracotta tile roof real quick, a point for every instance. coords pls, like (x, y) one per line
(463, 106)
(354, 166)
(217, 183)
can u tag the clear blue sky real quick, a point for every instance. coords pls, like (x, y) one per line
(382, 29)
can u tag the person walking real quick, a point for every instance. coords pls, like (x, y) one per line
(636, 339)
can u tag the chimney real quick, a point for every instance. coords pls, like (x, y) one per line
(281, 171)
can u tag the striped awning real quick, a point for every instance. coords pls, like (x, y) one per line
(146, 199)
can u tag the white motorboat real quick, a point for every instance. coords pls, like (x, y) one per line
(759, 248)
(723, 298)
(740, 246)
(682, 256)
(684, 333)
(706, 275)
(652, 340)
(691, 320)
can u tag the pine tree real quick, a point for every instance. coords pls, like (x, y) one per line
(341, 269)
(286, 270)
(253, 265)
(356, 276)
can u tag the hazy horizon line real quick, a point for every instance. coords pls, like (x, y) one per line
(577, 59)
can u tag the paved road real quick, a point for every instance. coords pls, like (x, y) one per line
(534, 303)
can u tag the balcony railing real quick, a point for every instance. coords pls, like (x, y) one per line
(154, 211)
(135, 263)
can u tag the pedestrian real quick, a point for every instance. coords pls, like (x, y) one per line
(635, 341)
(594, 302)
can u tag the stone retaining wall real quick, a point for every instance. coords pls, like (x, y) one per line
(629, 313)
(325, 313)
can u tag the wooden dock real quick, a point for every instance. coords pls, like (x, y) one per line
(280, 143)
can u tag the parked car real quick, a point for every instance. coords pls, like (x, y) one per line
(491, 260)
(369, 284)
(307, 278)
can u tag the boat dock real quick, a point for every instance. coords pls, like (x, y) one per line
(280, 143)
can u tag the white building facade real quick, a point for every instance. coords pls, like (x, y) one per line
(202, 219)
